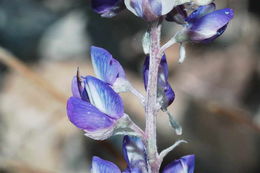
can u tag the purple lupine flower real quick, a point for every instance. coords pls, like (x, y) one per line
(98, 113)
(204, 24)
(105, 66)
(107, 8)
(136, 158)
(165, 92)
(182, 165)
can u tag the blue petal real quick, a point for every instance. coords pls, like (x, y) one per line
(105, 66)
(182, 165)
(102, 166)
(134, 154)
(85, 116)
(107, 8)
(104, 97)
(201, 11)
(211, 25)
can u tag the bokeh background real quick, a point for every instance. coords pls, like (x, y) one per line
(44, 41)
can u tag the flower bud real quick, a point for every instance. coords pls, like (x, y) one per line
(205, 24)
(165, 94)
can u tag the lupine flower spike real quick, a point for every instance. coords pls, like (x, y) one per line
(95, 105)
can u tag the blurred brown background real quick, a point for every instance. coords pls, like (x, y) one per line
(217, 88)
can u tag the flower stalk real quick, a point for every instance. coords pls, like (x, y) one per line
(151, 107)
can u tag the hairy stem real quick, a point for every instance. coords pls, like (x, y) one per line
(151, 107)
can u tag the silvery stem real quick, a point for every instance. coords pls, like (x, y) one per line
(151, 108)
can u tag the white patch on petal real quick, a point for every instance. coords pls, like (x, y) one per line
(95, 97)
(202, 2)
(227, 12)
(168, 5)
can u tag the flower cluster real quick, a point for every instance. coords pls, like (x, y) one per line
(203, 24)
(96, 106)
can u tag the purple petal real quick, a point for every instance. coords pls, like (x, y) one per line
(75, 88)
(103, 166)
(105, 66)
(86, 116)
(209, 26)
(178, 15)
(201, 11)
(107, 8)
(104, 97)
(182, 165)
(134, 154)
